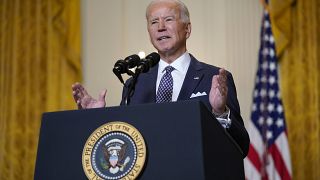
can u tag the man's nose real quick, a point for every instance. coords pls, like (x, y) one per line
(161, 26)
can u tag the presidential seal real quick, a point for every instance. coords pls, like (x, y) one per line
(115, 150)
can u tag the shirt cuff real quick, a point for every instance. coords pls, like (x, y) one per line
(224, 118)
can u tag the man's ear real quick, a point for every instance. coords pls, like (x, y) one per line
(188, 30)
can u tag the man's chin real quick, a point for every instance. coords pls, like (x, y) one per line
(163, 45)
(164, 49)
(166, 52)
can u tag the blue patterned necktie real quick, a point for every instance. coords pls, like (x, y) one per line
(165, 88)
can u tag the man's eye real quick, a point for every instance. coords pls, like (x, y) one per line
(169, 19)
(154, 22)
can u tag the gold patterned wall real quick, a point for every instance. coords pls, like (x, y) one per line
(297, 24)
(39, 60)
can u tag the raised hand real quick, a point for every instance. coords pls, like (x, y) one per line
(219, 91)
(84, 100)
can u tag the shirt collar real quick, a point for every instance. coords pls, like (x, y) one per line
(181, 64)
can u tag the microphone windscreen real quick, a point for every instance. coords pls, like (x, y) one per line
(132, 60)
(119, 67)
(154, 57)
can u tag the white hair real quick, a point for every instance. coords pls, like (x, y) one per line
(184, 12)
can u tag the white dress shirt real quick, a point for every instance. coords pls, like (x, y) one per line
(181, 66)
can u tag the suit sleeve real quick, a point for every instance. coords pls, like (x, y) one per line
(237, 129)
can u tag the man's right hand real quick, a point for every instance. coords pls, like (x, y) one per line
(84, 100)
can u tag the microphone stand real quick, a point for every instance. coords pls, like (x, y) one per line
(131, 87)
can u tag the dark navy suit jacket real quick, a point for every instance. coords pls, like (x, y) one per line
(198, 79)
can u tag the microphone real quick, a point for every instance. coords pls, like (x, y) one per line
(147, 63)
(132, 61)
(123, 66)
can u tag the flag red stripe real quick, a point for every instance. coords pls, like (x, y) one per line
(279, 163)
(254, 158)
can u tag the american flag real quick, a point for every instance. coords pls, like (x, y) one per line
(269, 156)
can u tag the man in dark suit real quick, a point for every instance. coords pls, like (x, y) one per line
(179, 76)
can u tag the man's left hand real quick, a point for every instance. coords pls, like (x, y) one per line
(219, 92)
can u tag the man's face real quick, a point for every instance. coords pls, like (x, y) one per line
(168, 33)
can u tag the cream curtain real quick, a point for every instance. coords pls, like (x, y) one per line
(297, 28)
(39, 60)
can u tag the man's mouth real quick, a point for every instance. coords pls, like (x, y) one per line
(163, 38)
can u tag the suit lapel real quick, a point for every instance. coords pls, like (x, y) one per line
(193, 78)
(151, 82)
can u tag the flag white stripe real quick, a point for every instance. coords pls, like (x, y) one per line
(255, 139)
(250, 171)
(283, 146)
(271, 169)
